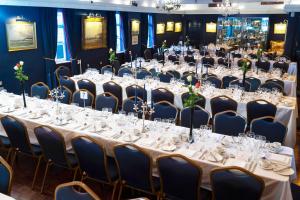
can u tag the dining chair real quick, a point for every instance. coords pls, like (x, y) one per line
(274, 131)
(235, 183)
(226, 80)
(216, 82)
(136, 90)
(61, 72)
(295, 191)
(172, 58)
(239, 83)
(135, 169)
(189, 59)
(128, 104)
(67, 95)
(281, 65)
(165, 77)
(116, 90)
(277, 81)
(263, 65)
(206, 75)
(148, 54)
(6, 173)
(229, 123)
(260, 108)
(222, 103)
(220, 53)
(254, 82)
(201, 117)
(87, 85)
(73, 191)
(107, 100)
(20, 143)
(188, 73)
(252, 56)
(94, 163)
(116, 66)
(185, 79)
(124, 70)
(180, 177)
(208, 61)
(236, 55)
(5, 145)
(107, 68)
(204, 53)
(68, 83)
(175, 73)
(54, 151)
(89, 102)
(201, 102)
(272, 86)
(40, 90)
(142, 74)
(224, 62)
(162, 94)
(164, 110)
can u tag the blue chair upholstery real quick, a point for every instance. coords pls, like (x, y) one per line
(135, 168)
(282, 66)
(236, 55)
(115, 90)
(61, 72)
(6, 177)
(175, 73)
(277, 81)
(194, 80)
(226, 80)
(162, 94)
(166, 78)
(128, 104)
(180, 177)
(40, 90)
(274, 131)
(222, 103)
(81, 102)
(165, 110)
(229, 123)
(201, 117)
(67, 95)
(234, 183)
(189, 59)
(208, 61)
(239, 83)
(263, 65)
(93, 161)
(124, 70)
(206, 75)
(173, 58)
(260, 108)
(254, 82)
(140, 92)
(107, 68)
(200, 102)
(214, 81)
(295, 191)
(106, 100)
(68, 83)
(54, 150)
(141, 74)
(67, 191)
(271, 86)
(87, 85)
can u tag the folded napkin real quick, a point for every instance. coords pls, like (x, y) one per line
(280, 159)
(235, 162)
(187, 152)
(147, 142)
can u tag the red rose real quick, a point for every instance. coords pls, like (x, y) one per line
(18, 65)
(198, 85)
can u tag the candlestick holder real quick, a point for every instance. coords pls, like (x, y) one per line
(57, 94)
(144, 110)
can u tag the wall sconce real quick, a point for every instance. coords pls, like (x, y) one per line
(280, 28)
(211, 27)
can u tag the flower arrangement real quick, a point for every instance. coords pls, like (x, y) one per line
(164, 45)
(245, 67)
(112, 55)
(187, 41)
(259, 53)
(19, 72)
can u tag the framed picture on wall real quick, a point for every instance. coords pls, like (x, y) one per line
(178, 27)
(170, 26)
(21, 35)
(160, 28)
(93, 33)
(135, 31)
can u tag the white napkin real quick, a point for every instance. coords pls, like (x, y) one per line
(280, 159)
(187, 152)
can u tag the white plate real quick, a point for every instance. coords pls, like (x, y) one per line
(169, 148)
(287, 172)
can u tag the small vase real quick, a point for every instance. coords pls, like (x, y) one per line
(244, 79)
(191, 136)
(23, 93)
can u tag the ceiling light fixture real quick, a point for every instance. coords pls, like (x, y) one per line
(168, 5)
(227, 7)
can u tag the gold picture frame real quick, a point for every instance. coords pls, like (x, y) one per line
(170, 26)
(21, 35)
(211, 27)
(160, 28)
(94, 33)
(280, 28)
(178, 27)
(135, 31)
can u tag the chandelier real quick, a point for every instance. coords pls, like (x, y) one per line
(227, 8)
(168, 5)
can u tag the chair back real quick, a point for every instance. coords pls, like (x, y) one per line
(186, 73)
(135, 90)
(260, 108)
(254, 82)
(87, 85)
(91, 157)
(114, 89)
(116, 65)
(274, 131)
(61, 72)
(217, 83)
(67, 95)
(272, 86)
(6, 177)
(165, 110)
(220, 54)
(282, 66)
(263, 65)
(226, 80)
(229, 123)
(148, 54)
(201, 117)
(17, 134)
(141, 74)
(162, 94)
(224, 62)
(234, 183)
(107, 68)
(166, 78)
(277, 81)
(236, 55)
(175, 73)
(239, 83)
(222, 103)
(106, 100)
(206, 75)
(68, 83)
(180, 177)
(124, 70)
(135, 166)
(128, 104)
(83, 102)
(208, 61)
(204, 53)
(68, 191)
(201, 102)
(189, 59)
(40, 90)
(53, 145)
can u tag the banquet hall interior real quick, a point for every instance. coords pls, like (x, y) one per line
(149, 99)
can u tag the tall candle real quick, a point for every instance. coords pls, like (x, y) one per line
(151, 99)
(135, 95)
(144, 93)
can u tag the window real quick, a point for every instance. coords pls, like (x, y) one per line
(62, 53)
(120, 34)
(150, 41)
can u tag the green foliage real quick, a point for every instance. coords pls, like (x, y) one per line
(20, 74)
(112, 56)
(245, 66)
(192, 99)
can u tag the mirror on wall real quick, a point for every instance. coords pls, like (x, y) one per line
(242, 31)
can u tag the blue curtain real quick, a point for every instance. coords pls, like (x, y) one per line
(112, 32)
(49, 33)
(293, 29)
(150, 41)
(120, 39)
(144, 32)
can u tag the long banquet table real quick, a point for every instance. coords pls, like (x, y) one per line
(287, 111)
(159, 139)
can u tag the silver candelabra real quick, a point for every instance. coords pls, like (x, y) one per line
(144, 110)
(57, 94)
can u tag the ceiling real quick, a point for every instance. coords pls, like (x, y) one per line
(189, 6)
